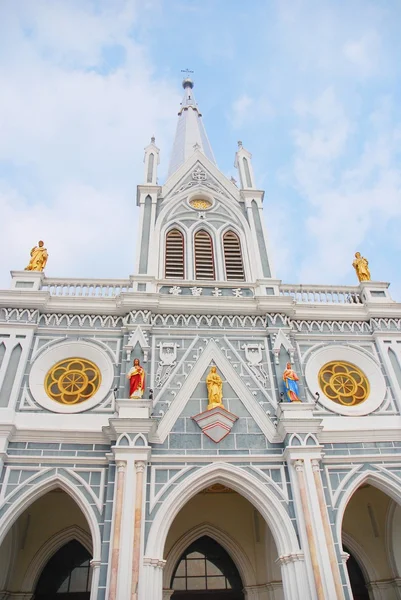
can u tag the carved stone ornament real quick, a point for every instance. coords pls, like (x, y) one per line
(198, 174)
(167, 362)
(216, 423)
(254, 357)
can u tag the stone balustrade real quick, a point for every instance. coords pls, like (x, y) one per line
(101, 288)
(328, 294)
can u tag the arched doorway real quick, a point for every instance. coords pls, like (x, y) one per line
(205, 571)
(67, 575)
(217, 547)
(42, 533)
(368, 536)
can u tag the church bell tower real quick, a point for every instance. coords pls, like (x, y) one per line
(201, 234)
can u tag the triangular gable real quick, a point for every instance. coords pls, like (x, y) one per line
(212, 353)
(138, 336)
(198, 159)
(281, 340)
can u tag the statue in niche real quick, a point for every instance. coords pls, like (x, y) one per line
(360, 265)
(39, 258)
(291, 386)
(136, 377)
(214, 385)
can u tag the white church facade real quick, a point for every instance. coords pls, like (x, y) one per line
(258, 457)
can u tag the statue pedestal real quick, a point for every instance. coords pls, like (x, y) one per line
(130, 408)
(215, 423)
(27, 280)
(375, 292)
(297, 417)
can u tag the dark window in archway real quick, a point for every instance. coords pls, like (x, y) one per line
(66, 575)
(206, 571)
(356, 578)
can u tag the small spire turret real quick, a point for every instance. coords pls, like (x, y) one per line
(151, 160)
(244, 165)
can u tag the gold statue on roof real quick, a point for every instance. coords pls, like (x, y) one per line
(39, 258)
(360, 265)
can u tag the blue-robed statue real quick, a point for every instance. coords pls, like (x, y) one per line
(291, 386)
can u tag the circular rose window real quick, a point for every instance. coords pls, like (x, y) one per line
(200, 204)
(72, 381)
(343, 383)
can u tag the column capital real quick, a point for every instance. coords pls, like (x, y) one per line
(286, 559)
(140, 466)
(95, 564)
(157, 563)
(121, 465)
(299, 464)
(315, 464)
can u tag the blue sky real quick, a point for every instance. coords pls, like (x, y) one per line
(312, 88)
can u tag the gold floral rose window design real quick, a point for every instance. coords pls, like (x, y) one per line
(200, 204)
(343, 383)
(72, 381)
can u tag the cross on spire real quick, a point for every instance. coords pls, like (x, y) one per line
(187, 72)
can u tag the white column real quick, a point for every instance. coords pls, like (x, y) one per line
(295, 582)
(138, 528)
(116, 539)
(267, 591)
(151, 587)
(95, 568)
(299, 469)
(384, 590)
(327, 529)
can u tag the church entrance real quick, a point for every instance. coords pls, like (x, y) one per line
(371, 536)
(47, 551)
(205, 571)
(218, 547)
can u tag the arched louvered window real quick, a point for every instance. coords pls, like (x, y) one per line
(204, 260)
(233, 256)
(174, 266)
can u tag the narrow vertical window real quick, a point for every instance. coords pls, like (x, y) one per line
(150, 167)
(204, 261)
(247, 173)
(174, 255)
(233, 257)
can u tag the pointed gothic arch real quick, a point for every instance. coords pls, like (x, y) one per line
(204, 259)
(174, 252)
(36, 491)
(233, 257)
(231, 546)
(49, 549)
(240, 481)
(376, 479)
(164, 222)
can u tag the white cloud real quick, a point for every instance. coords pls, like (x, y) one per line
(364, 53)
(72, 137)
(246, 110)
(350, 197)
(240, 109)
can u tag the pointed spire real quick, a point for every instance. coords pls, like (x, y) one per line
(190, 134)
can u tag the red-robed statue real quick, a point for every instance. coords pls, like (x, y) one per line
(136, 377)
